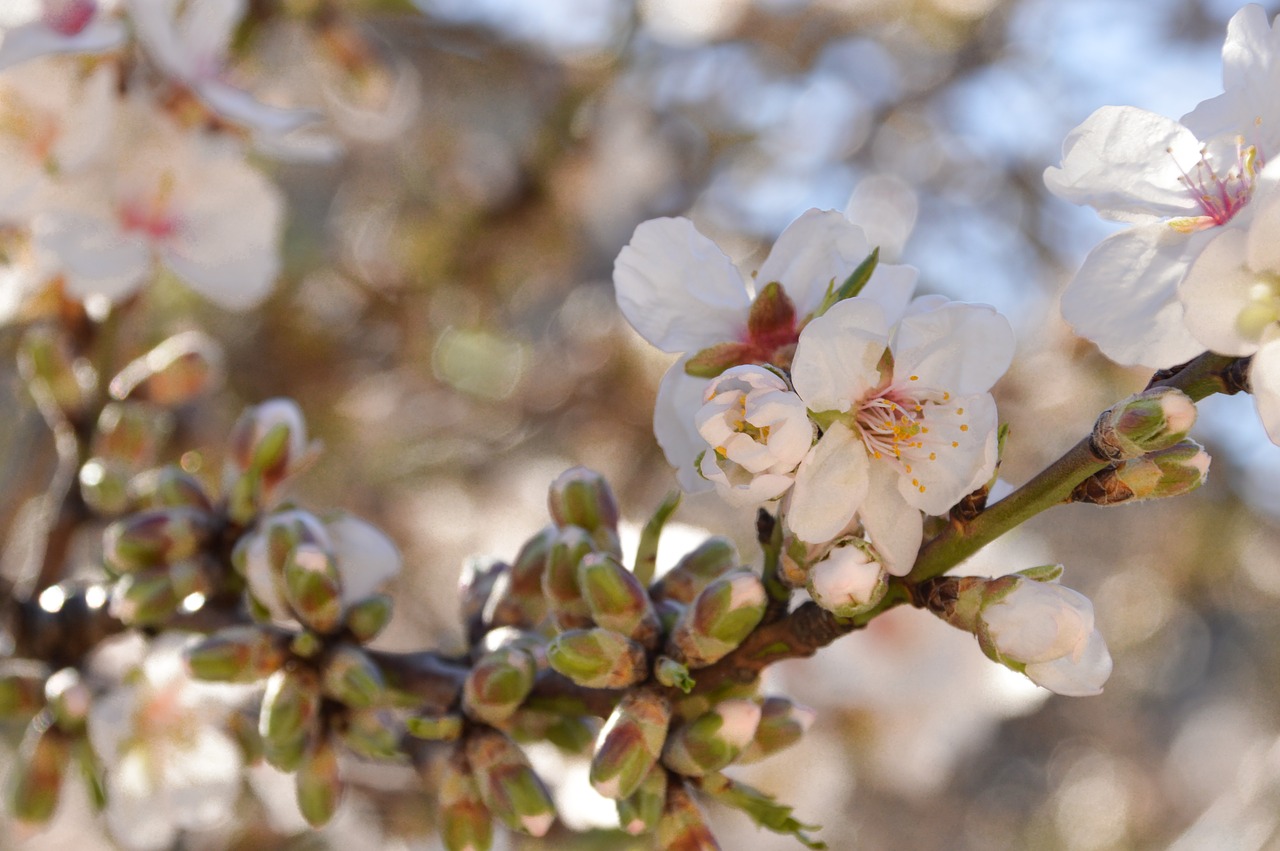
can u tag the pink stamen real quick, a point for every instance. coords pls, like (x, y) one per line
(1221, 197)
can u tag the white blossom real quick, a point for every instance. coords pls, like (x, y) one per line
(59, 26)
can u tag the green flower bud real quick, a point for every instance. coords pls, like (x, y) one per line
(710, 560)
(104, 484)
(367, 618)
(519, 601)
(560, 579)
(597, 658)
(155, 538)
(571, 734)
(353, 678)
(69, 699)
(630, 743)
(640, 813)
(237, 654)
(168, 487)
(475, 585)
(508, 785)
(581, 497)
(498, 683)
(268, 444)
(317, 782)
(290, 709)
(464, 820)
(1146, 422)
(178, 370)
(682, 827)
(1179, 469)
(144, 599)
(719, 619)
(372, 732)
(21, 688)
(438, 728)
(672, 674)
(616, 599)
(782, 723)
(712, 740)
(313, 587)
(58, 381)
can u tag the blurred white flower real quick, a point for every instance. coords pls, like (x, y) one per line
(58, 26)
(758, 431)
(169, 763)
(909, 424)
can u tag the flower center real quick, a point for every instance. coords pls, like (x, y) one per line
(1220, 196)
(153, 215)
(68, 17)
(897, 425)
(1263, 308)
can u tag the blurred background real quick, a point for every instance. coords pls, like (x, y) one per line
(446, 321)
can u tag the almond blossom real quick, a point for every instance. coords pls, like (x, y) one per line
(58, 26)
(908, 423)
(1177, 183)
(683, 294)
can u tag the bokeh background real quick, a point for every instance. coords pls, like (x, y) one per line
(446, 321)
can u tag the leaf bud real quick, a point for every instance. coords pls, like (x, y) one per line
(616, 599)
(718, 620)
(508, 785)
(597, 658)
(1179, 469)
(445, 727)
(682, 826)
(465, 824)
(290, 709)
(560, 579)
(1145, 422)
(237, 654)
(318, 783)
(498, 683)
(712, 740)
(672, 674)
(639, 813)
(372, 732)
(782, 723)
(155, 538)
(630, 743)
(708, 561)
(353, 678)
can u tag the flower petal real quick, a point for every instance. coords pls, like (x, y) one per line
(679, 398)
(1264, 378)
(831, 485)
(895, 528)
(942, 472)
(961, 348)
(838, 356)
(94, 257)
(678, 289)
(818, 248)
(1075, 677)
(1251, 75)
(1216, 290)
(367, 559)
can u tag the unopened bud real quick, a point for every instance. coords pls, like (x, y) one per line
(1146, 422)
(570, 733)
(155, 538)
(560, 579)
(313, 587)
(673, 674)
(353, 678)
(445, 727)
(290, 708)
(1170, 472)
(508, 785)
(630, 743)
(372, 732)
(782, 723)
(178, 370)
(712, 740)
(69, 699)
(710, 560)
(56, 379)
(464, 820)
(268, 444)
(317, 782)
(104, 484)
(581, 497)
(131, 434)
(519, 601)
(145, 598)
(682, 826)
(367, 618)
(168, 487)
(21, 688)
(848, 581)
(597, 658)
(718, 620)
(639, 814)
(616, 599)
(498, 683)
(39, 771)
(237, 654)
(476, 584)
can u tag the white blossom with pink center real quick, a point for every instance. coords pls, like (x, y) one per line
(42, 27)
(172, 196)
(1177, 183)
(758, 431)
(682, 293)
(908, 423)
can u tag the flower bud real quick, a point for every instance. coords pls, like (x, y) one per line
(104, 484)
(437, 728)
(145, 598)
(718, 620)
(372, 732)
(268, 444)
(317, 782)
(848, 581)
(313, 587)
(682, 827)
(712, 740)
(475, 585)
(290, 708)
(1146, 422)
(639, 814)
(1179, 469)
(560, 579)
(155, 538)
(39, 771)
(710, 560)
(581, 497)
(131, 434)
(352, 678)
(630, 743)
(508, 785)
(69, 699)
(571, 734)
(519, 601)
(237, 654)
(261, 555)
(782, 723)
(367, 618)
(21, 688)
(58, 381)
(597, 658)
(616, 599)
(168, 487)
(498, 683)
(178, 370)
(464, 821)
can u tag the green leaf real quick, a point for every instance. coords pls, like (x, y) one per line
(853, 285)
(761, 808)
(712, 361)
(647, 551)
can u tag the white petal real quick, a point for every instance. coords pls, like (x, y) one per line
(95, 257)
(678, 401)
(942, 473)
(367, 559)
(819, 247)
(891, 287)
(204, 29)
(153, 21)
(134, 814)
(960, 348)
(1264, 235)
(202, 779)
(837, 359)
(895, 528)
(831, 485)
(243, 108)
(1076, 677)
(1216, 290)
(1264, 378)
(678, 289)
(1251, 75)
(1124, 298)
(1126, 163)
(36, 39)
